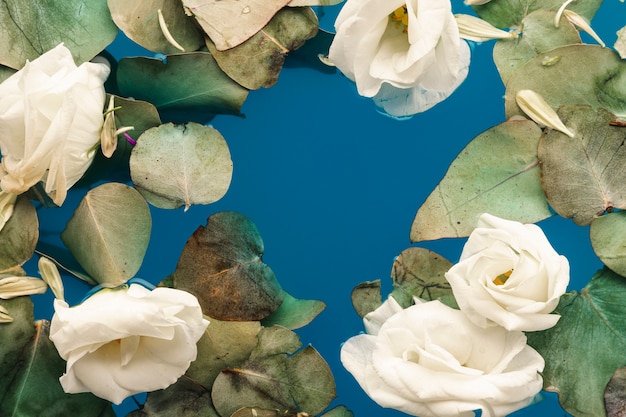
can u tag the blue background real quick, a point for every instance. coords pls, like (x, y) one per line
(333, 187)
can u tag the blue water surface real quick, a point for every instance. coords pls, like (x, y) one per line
(333, 187)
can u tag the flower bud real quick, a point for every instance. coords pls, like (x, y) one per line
(539, 111)
(475, 29)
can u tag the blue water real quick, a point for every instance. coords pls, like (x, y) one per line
(333, 187)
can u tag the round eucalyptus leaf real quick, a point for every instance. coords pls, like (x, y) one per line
(109, 233)
(584, 176)
(538, 35)
(257, 62)
(573, 74)
(366, 297)
(229, 23)
(489, 175)
(189, 84)
(180, 165)
(587, 344)
(419, 272)
(6, 72)
(294, 313)
(221, 264)
(36, 375)
(275, 340)
(615, 394)
(28, 31)
(15, 336)
(608, 239)
(339, 411)
(139, 21)
(509, 13)
(19, 235)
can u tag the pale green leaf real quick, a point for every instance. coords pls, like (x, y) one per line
(489, 175)
(583, 74)
(19, 235)
(257, 62)
(222, 265)
(139, 21)
(180, 165)
(339, 411)
(587, 344)
(608, 239)
(509, 13)
(29, 29)
(584, 176)
(229, 23)
(294, 313)
(538, 35)
(419, 272)
(5, 72)
(189, 86)
(109, 233)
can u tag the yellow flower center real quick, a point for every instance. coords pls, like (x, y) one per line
(502, 278)
(401, 16)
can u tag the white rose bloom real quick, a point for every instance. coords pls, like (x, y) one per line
(430, 360)
(50, 122)
(509, 275)
(121, 342)
(407, 56)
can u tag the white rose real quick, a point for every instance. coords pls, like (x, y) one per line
(430, 360)
(50, 121)
(121, 342)
(509, 275)
(408, 60)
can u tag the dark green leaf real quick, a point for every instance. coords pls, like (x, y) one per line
(187, 83)
(294, 313)
(258, 61)
(180, 165)
(489, 175)
(28, 31)
(19, 235)
(35, 391)
(109, 233)
(584, 176)
(419, 272)
(222, 265)
(587, 344)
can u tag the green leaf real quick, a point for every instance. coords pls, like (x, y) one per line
(584, 176)
(225, 344)
(109, 233)
(539, 35)
(587, 344)
(288, 384)
(180, 165)
(189, 84)
(257, 62)
(508, 13)
(615, 394)
(222, 265)
(229, 23)
(584, 74)
(294, 313)
(139, 21)
(366, 297)
(15, 337)
(27, 31)
(275, 340)
(34, 390)
(339, 411)
(419, 272)
(185, 398)
(608, 239)
(6, 72)
(489, 175)
(19, 235)
(257, 412)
